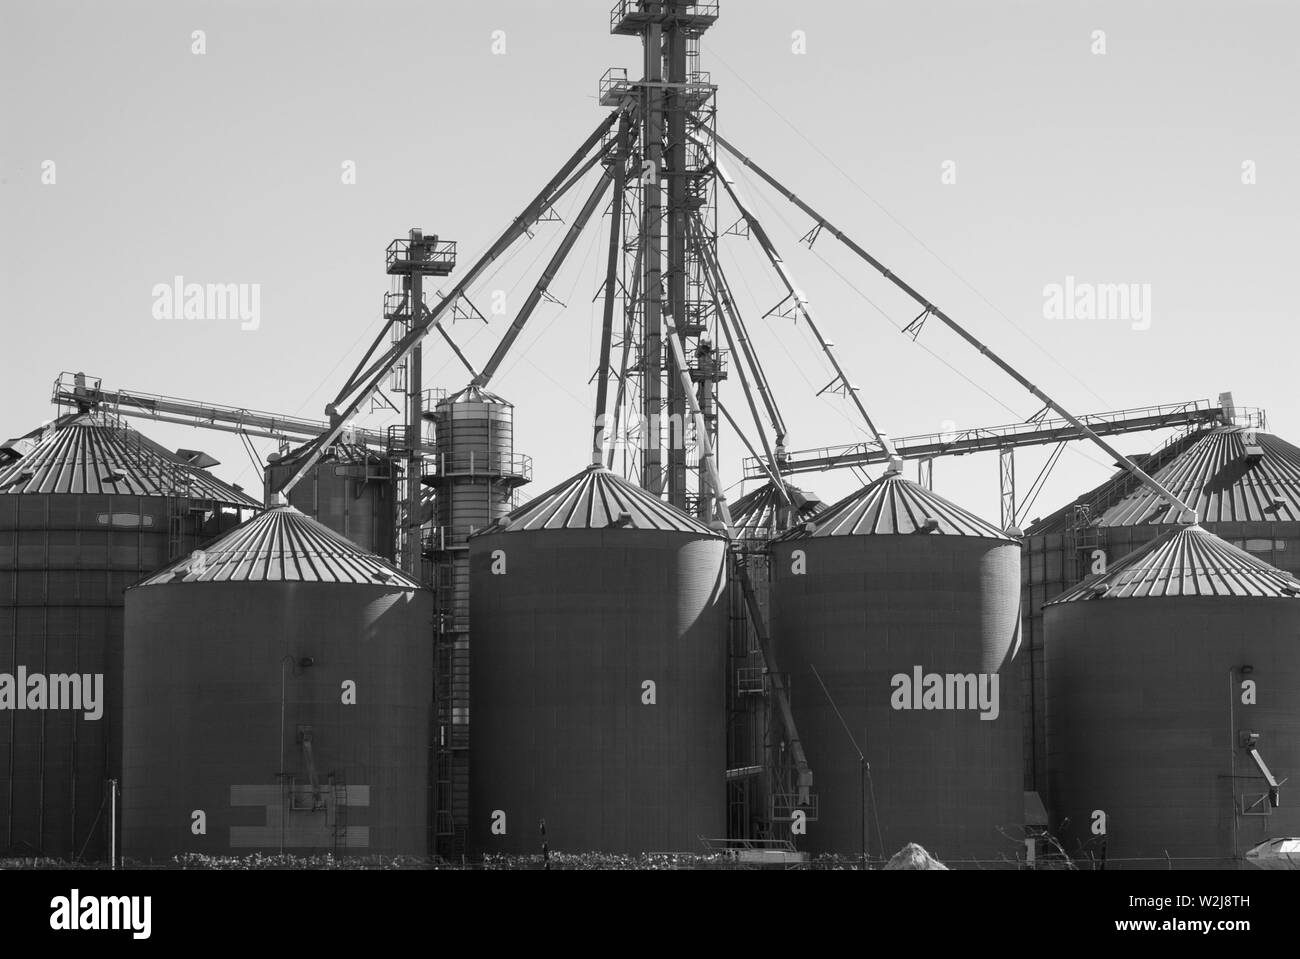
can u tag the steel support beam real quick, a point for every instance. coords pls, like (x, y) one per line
(1007, 485)
(573, 169)
(796, 298)
(987, 439)
(544, 282)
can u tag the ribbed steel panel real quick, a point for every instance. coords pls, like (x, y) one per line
(596, 499)
(1251, 501)
(86, 454)
(764, 513)
(870, 607)
(1210, 472)
(564, 640)
(209, 668)
(283, 545)
(1144, 707)
(474, 431)
(1190, 561)
(350, 489)
(65, 560)
(891, 506)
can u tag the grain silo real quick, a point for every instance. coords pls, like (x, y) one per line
(1172, 685)
(278, 682)
(87, 507)
(598, 674)
(1245, 485)
(350, 489)
(475, 475)
(907, 608)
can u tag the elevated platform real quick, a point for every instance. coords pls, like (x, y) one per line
(426, 255)
(629, 18)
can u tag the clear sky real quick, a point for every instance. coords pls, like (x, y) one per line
(1117, 167)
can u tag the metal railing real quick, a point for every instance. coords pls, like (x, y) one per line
(484, 463)
(428, 255)
(626, 13)
(614, 86)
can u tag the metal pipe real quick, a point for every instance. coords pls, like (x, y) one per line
(721, 292)
(710, 468)
(727, 318)
(414, 433)
(708, 462)
(1187, 515)
(553, 267)
(652, 350)
(454, 348)
(774, 479)
(673, 102)
(112, 819)
(628, 327)
(793, 293)
(611, 282)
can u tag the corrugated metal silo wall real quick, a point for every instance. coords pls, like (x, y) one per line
(1054, 562)
(867, 609)
(1142, 706)
(340, 496)
(563, 643)
(65, 560)
(479, 427)
(475, 441)
(203, 721)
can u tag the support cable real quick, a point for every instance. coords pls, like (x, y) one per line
(802, 307)
(1185, 513)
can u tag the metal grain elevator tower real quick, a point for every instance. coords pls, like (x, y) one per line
(672, 187)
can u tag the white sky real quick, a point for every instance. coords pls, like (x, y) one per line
(1119, 168)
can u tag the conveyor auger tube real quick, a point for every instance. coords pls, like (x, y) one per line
(707, 460)
(1186, 514)
(792, 293)
(368, 381)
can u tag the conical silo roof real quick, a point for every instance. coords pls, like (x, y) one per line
(1216, 472)
(894, 506)
(474, 394)
(764, 512)
(88, 453)
(1188, 561)
(338, 453)
(283, 545)
(597, 498)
